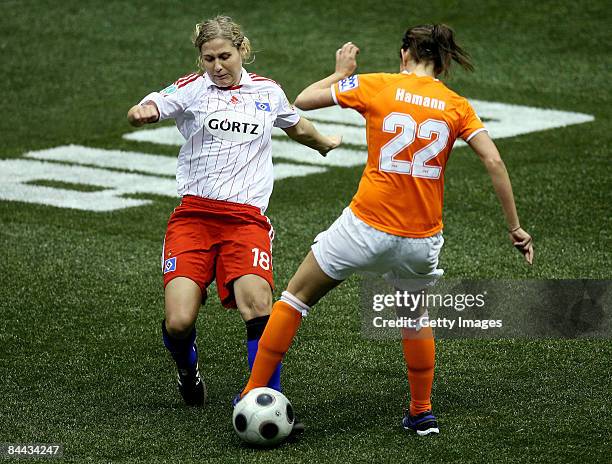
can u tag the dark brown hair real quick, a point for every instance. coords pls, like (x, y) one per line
(436, 43)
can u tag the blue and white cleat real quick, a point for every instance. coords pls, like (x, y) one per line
(191, 386)
(423, 424)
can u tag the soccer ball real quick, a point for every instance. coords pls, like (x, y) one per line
(264, 417)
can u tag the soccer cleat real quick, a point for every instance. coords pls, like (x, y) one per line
(423, 423)
(298, 426)
(191, 386)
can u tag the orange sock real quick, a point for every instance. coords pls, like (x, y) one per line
(275, 341)
(420, 355)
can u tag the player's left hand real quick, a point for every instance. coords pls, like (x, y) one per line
(334, 142)
(346, 59)
(523, 242)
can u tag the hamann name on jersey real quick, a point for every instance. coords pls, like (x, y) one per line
(233, 126)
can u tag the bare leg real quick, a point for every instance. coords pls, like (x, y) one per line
(253, 296)
(183, 299)
(309, 284)
(254, 300)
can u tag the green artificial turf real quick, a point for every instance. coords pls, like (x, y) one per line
(81, 358)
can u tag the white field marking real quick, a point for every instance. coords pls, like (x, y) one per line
(285, 170)
(14, 173)
(353, 134)
(335, 114)
(506, 120)
(152, 164)
(125, 160)
(512, 120)
(293, 151)
(167, 135)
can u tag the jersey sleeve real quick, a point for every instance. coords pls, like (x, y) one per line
(356, 91)
(287, 115)
(470, 123)
(174, 99)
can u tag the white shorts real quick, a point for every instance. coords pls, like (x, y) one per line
(350, 245)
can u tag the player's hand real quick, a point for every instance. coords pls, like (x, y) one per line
(523, 242)
(346, 59)
(334, 141)
(139, 115)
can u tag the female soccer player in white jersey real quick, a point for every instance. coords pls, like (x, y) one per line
(393, 225)
(224, 175)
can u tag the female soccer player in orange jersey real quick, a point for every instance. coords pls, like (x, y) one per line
(393, 225)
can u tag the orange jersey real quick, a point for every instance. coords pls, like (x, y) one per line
(412, 123)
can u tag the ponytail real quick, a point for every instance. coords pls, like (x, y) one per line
(436, 43)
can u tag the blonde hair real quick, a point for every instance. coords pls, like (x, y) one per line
(221, 27)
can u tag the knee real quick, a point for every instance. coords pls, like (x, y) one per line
(256, 304)
(183, 298)
(179, 324)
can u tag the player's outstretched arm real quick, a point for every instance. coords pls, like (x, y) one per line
(307, 134)
(146, 113)
(486, 150)
(318, 95)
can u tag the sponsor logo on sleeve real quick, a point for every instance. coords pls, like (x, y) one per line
(348, 83)
(263, 106)
(170, 89)
(233, 126)
(170, 265)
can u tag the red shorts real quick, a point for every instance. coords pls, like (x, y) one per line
(210, 238)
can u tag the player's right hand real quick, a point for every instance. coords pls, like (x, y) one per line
(523, 242)
(346, 59)
(334, 141)
(139, 115)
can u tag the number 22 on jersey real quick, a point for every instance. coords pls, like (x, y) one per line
(409, 130)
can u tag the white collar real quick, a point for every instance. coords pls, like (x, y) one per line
(405, 71)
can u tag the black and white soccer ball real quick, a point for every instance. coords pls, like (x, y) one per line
(264, 417)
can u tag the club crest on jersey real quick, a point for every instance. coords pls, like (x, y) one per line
(348, 83)
(233, 126)
(170, 265)
(263, 106)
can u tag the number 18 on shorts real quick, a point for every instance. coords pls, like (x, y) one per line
(206, 241)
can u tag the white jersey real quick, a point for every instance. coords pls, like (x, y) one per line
(227, 154)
